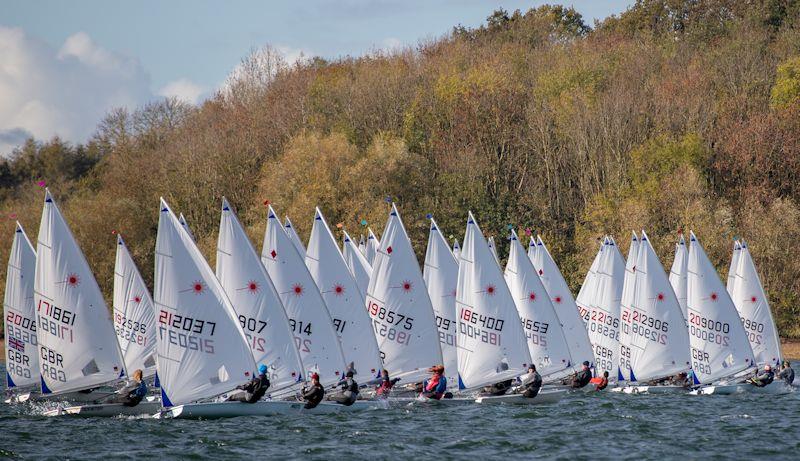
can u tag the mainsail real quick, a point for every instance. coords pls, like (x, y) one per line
(77, 345)
(134, 314)
(343, 299)
(441, 278)
(311, 323)
(720, 347)
(256, 302)
(491, 341)
(750, 300)
(546, 342)
(371, 247)
(356, 263)
(493, 249)
(737, 246)
(293, 237)
(678, 273)
(22, 358)
(653, 337)
(185, 225)
(400, 308)
(202, 350)
(456, 249)
(580, 349)
(626, 306)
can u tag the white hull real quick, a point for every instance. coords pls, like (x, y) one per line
(106, 410)
(542, 398)
(721, 389)
(263, 408)
(71, 397)
(420, 400)
(650, 390)
(775, 388)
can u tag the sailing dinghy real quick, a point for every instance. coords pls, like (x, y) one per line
(185, 225)
(343, 300)
(737, 247)
(441, 278)
(456, 249)
(356, 263)
(400, 308)
(493, 249)
(22, 356)
(492, 346)
(371, 247)
(580, 349)
(546, 341)
(293, 237)
(257, 304)
(720, 350)
(654, 345)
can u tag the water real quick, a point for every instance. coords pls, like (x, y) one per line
(582, 426)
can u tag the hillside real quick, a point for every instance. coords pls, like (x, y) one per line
(675, 115)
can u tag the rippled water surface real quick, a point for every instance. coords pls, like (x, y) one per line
(581, 426)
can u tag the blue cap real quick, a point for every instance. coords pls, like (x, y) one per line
(262, 369)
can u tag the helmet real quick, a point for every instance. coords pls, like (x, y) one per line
(315, 376)
(262, 369)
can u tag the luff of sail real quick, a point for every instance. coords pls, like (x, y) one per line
(371, 246)
(493, 249)
(456, 249)
(134, 314)
(400, 308)
(751, 302)
(441, 278)
(185, 225)
(737, 246)
(295, 239)
(202, 350)
(257, 304)
(22, 356)
(311, 323)
(343, 299)
(77, 345)
(626, 307)
(356, 263)
(580, 349)
(719, 343)
(678, 273)
(546, 341)
(491, 341)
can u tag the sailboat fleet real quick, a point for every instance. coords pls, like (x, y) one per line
(366, 307)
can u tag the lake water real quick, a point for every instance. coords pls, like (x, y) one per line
(581, 426)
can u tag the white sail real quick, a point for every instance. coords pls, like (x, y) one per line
(493, 249)
(22, 356)
(720, 347)
(134, 314)
(293, 237)
(356, 263)
(371, 247)
(456, 249)
(257, 304)
(750, 300)
(737, 246)
(362, 246)
(546, 341)
(580, 349)
(441, 278)
(311, 323)
(491, 341)
(602, 314)
(626, 306)
(678, 273)
(185, 225)
(202, 350)
(652, 336)
(77, 345)
(400, 308)
(343, 299)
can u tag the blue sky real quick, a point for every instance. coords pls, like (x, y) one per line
(125, 53)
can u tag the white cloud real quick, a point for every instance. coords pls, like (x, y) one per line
(183, 89)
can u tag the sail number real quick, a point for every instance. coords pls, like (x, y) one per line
(487, 322)
(753, 330)
(709, 330)
(251, 324)
(394, 318)
(56, 321)
(444, 325)
(189, 325)
(604, 358)
(700, 361)
(301, 327)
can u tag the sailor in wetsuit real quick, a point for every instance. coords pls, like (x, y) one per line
(385, 388)
(435, 386)
(349, 393)
(583, 377)
(531, 383)
(600, 382)
(133, 392)
(787, 373)
(254, 390)
(764, 378)
(313, 394)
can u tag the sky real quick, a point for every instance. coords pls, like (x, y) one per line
(64, 64)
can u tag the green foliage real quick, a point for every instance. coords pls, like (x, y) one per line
(786, 90)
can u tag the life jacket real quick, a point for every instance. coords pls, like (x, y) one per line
(599, 382)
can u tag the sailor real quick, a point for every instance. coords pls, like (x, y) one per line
(133, 392)
(498, 388)
(531, 383)
(435, 386)
(349, 393)
(764, 378)
(583, 377)
(600, 382)
(314, 394)
(385, 388)
(787, 373)
(254, 390)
